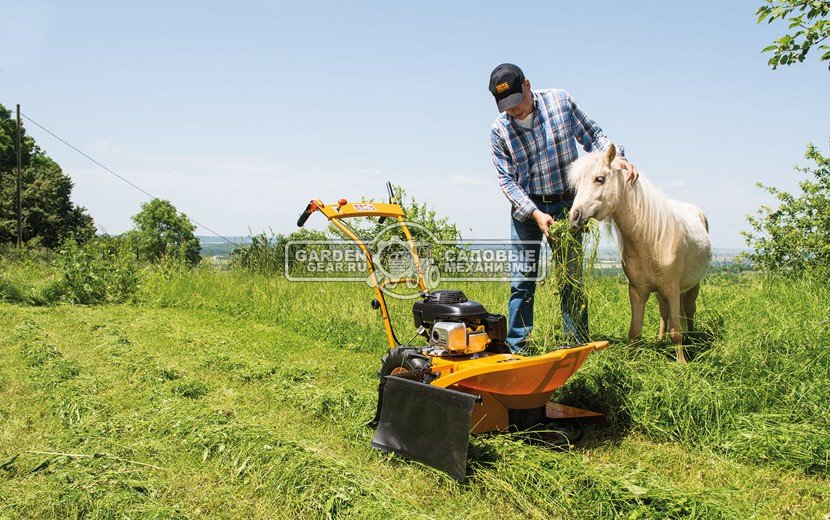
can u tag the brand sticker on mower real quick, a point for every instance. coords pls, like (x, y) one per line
(364, 207)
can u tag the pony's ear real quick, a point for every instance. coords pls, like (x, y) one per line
(610, 153)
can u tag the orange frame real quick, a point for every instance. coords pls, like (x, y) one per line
(341, 210)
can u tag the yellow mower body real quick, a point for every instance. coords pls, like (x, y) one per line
(509, 381)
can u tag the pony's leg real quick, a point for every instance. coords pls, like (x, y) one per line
(683, 319)
(664, 316)
(638, 298)
(690, 306)
(675, 326)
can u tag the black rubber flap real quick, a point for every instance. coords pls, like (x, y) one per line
(426, 423)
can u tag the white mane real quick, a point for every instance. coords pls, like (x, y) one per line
(654, 216)
(581, 166)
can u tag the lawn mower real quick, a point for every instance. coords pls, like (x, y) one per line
(465, 380)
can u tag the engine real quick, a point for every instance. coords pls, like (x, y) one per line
(454, 325)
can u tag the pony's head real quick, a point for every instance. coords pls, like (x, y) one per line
(598, 181)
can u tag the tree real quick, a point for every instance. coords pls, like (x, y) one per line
(795, 237)
(8, 129)
(49, 216)
(162, 232)
(810, 22)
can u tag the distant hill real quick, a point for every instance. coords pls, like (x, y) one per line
(220, 246)
(723, 259)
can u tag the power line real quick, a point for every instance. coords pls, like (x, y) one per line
(120, 177)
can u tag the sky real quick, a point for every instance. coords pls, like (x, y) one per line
(239, 113)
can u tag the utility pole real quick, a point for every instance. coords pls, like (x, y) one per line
(19, 184)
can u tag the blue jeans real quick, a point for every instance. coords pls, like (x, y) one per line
(571, 298)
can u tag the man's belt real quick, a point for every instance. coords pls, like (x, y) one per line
(556, 197)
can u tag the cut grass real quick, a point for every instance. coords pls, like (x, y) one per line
(250, 394)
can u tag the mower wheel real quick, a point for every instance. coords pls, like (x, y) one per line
(404, 359)
(399, 360)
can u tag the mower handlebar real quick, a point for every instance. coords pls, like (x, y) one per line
(304, 215)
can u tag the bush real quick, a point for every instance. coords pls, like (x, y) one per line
(162, 233)
(261, 254)
(9, 292)
(101, 271)
(795, 237)
(27, 276)
(29, 253)
(267, 254)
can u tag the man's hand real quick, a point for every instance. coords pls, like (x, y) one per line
(544, 221)
(633, 174)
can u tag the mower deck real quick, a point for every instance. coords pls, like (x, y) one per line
(510, 381)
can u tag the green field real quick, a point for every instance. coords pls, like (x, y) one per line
(229, 394)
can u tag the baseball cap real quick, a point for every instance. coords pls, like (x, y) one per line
(506, 85)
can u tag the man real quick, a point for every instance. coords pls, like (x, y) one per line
(533, 143)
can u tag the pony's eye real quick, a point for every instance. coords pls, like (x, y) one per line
(600, 180)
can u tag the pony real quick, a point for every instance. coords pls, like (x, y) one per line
(664, 243)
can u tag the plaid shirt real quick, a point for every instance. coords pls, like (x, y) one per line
(535, 161)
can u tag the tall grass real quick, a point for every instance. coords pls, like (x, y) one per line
(758, 388)
(101, 270)
(27, 277)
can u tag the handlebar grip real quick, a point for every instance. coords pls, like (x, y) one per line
(304, 215)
